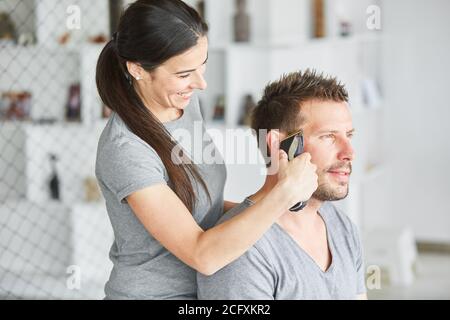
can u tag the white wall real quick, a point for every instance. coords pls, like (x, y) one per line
(416, 69)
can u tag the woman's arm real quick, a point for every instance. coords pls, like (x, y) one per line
(165, 216)
(228, 205)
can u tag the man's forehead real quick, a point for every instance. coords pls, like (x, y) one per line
(327, 115)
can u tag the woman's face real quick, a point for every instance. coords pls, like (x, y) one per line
(170, 86)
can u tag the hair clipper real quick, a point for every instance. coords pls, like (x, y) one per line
(293, 146)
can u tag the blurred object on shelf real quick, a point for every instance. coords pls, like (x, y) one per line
(371, 93)
(7, 27)
(64, 38)
(26, 39)
(44, 121)
(344, 23)
(200, 6)
(54, 179)
(106, 112)
(15, 105)
(92, 192)
(241, 22)
(73, 107)
(318, 19)
(345, 28)
(393, 249)
(219, 109)
(246, 110)
(100, 38)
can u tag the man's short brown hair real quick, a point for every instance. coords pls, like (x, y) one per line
(280, 105)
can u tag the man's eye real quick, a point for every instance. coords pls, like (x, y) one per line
(185, 76)
(327, 136)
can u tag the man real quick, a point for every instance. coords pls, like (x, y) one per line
(314, 253)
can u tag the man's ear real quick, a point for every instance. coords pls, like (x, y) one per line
(273, 139)
(136, 71)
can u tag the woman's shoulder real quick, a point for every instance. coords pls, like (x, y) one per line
(117, 139)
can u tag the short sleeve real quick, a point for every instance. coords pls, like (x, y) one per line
(129, 166)
(250, 277)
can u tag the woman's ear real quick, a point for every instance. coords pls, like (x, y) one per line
(136, 71)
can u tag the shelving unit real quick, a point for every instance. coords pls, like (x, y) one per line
(44, 236)
(280, 43)
(48, 20)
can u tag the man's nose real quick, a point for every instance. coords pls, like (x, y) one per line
(346, 151)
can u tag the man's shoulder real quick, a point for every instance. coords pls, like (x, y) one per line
(267, 244)
(344, 230)
(337, 217)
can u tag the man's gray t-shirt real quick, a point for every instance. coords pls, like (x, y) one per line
(143, 268)
(276, 267)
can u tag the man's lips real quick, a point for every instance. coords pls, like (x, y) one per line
(343, 173)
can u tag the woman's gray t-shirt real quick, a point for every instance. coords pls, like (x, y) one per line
(143, 268)
(276, 267)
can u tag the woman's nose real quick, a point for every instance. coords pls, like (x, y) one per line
(199, 81)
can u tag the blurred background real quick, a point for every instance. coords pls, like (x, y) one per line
(393, 57)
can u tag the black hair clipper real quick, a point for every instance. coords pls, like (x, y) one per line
(293, 146)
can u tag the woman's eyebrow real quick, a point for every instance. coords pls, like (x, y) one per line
(191, 70)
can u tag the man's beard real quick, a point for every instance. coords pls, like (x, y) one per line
(328, 191)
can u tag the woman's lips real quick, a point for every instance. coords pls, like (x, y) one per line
(185, 96)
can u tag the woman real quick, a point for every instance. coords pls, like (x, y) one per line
(163, 210)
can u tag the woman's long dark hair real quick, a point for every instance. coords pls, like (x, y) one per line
(149, 33)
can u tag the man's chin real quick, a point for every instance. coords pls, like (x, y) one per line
(331, 194)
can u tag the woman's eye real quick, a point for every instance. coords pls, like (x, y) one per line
(185, 76)
(328, 136)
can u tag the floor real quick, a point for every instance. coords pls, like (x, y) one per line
(432, 281)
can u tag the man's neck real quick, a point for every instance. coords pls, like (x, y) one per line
(305, 218)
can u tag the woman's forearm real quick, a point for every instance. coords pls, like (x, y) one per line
(227, 241)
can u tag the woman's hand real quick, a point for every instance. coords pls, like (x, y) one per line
(298, 177)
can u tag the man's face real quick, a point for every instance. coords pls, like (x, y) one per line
(327, 133)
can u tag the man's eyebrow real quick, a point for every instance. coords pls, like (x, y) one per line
(333, 131)
(191, 70)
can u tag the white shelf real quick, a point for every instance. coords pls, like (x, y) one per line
(73, 143)
(301, 43)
